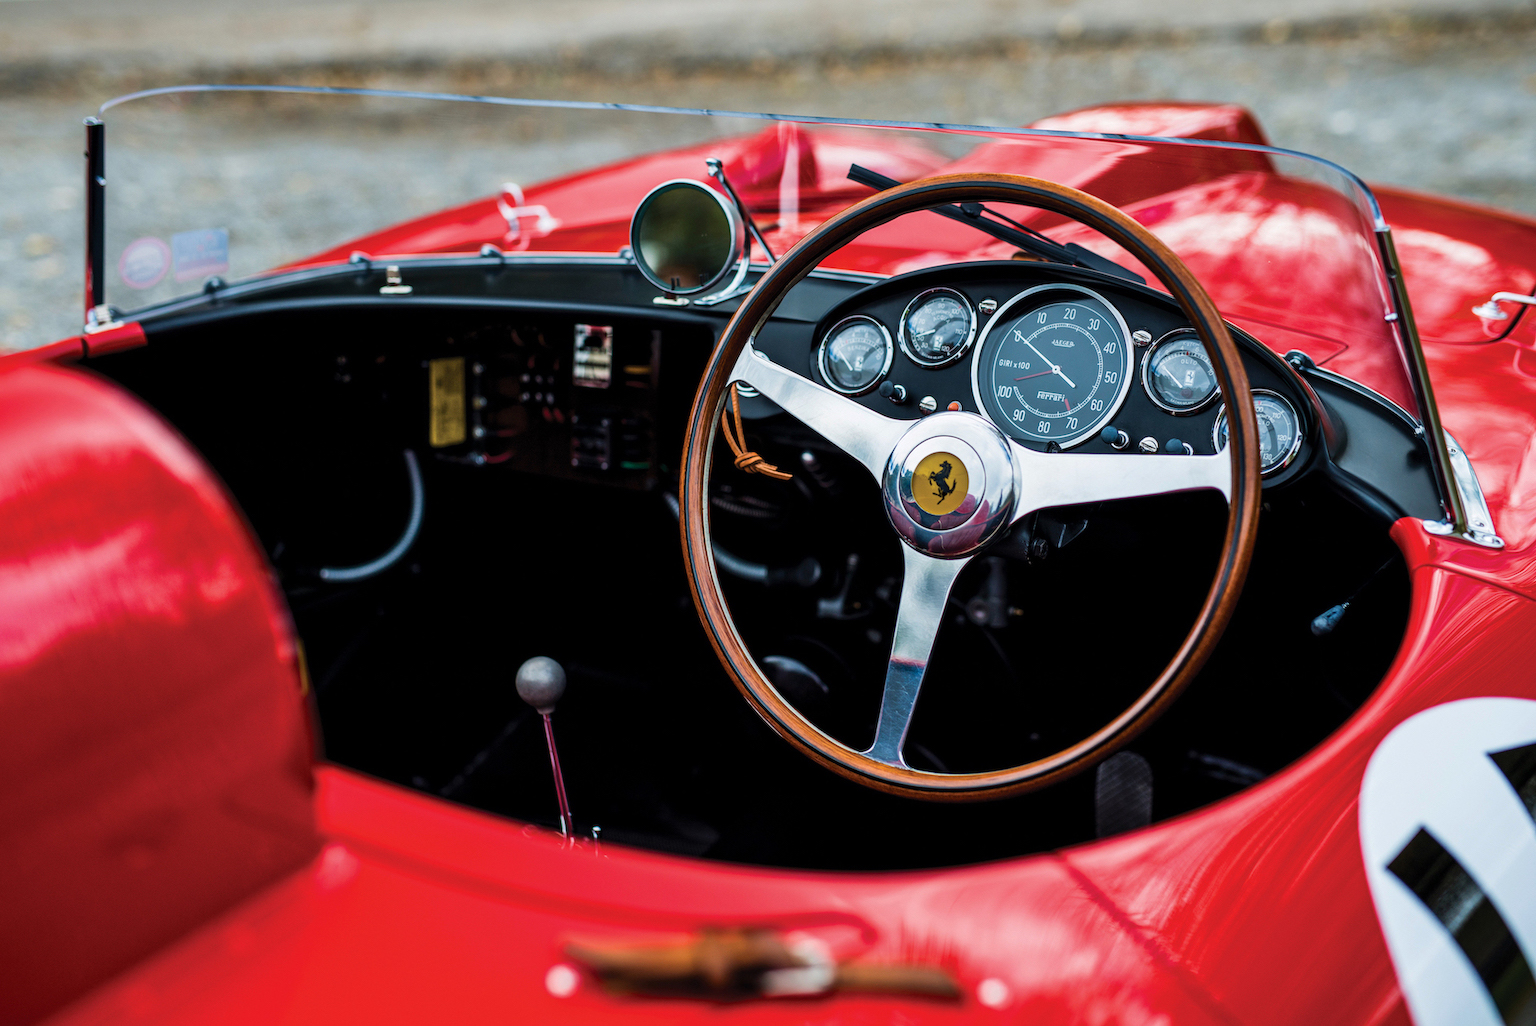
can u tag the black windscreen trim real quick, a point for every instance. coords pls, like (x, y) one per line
(1449, 891)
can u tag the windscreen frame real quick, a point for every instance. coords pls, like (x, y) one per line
(101, 315)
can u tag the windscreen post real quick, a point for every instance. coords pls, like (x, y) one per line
(95, 221)
(1418, 375)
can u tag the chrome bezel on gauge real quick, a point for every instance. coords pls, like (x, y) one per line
(1289, 457)
(1110, 410)
(964, 347)
(1146, 376)
(821, 356)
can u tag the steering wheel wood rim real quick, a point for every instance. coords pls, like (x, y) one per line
(1237, 544)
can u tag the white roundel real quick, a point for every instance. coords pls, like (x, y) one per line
(1450, 852)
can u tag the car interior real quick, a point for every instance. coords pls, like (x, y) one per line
(450, 482)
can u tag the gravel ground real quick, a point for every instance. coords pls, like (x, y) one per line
(1446, 111)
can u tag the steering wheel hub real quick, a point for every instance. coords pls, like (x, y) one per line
(949, 484)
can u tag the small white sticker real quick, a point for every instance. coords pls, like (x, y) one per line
(144, 262)
(201, 253)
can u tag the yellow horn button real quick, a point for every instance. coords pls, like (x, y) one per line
(940, 483)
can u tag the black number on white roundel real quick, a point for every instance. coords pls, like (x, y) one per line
(1448, 832)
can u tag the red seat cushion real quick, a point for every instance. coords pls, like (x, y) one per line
(154, 744)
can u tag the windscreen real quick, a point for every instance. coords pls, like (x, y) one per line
(224, 184)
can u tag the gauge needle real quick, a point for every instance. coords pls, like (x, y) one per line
(1054, 369)
(1026, 377)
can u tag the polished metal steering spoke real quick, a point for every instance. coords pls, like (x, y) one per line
(861, 433)
(1069, 478)
(924, 594)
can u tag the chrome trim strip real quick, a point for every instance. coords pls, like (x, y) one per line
(267, 281)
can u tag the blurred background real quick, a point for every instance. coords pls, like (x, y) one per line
(1437, 95)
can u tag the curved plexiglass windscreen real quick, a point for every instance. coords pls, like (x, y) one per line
(240, 184)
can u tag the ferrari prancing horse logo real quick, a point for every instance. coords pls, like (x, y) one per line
(940, 483)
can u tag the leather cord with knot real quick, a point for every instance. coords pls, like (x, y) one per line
(746, 459)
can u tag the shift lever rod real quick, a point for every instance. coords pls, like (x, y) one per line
(541, 683)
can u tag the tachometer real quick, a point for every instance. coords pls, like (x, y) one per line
(855, 354)
(1058, 371)
(1279, 431)
(937, 327)
(1177, 373)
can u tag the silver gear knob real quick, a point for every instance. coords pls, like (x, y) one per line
(541, 683)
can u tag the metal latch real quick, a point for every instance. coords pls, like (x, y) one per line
(392, 283)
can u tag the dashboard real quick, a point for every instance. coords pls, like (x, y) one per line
(1057, 359)
(568, 369)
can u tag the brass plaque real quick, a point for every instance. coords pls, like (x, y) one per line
(446, 385)
(940, 483)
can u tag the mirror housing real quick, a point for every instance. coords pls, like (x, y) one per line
(686, 237)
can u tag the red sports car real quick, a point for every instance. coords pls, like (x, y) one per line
(766, 569)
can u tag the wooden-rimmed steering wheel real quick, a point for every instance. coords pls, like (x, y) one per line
(1004, 482)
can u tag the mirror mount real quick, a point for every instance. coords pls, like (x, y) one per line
(717, 172)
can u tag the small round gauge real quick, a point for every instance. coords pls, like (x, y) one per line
(1177, 373)
(855, 354)
(937, 327)
(1057, 371)
(1279, 431)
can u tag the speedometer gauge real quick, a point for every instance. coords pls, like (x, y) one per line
(855, 354)
(1177, 373)
(1054, 365)
(1279, 431)
(937, 327)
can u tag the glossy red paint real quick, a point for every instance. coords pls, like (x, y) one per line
(1204, 203)
(1222, 122)
(1455, 255)
(66, 350)
(152, 735)
(419, 911)
(1252, 911)
(1264, 897)
(594, 207)
(115, 339)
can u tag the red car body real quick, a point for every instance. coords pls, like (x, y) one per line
(174, 853)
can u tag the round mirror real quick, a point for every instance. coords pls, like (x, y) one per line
(685, 237)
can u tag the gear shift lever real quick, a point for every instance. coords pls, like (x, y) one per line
(541, 683)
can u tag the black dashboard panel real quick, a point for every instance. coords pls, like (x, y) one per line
(622, 425)
(997, 282)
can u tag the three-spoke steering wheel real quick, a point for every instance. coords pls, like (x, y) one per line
(1002, 482)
